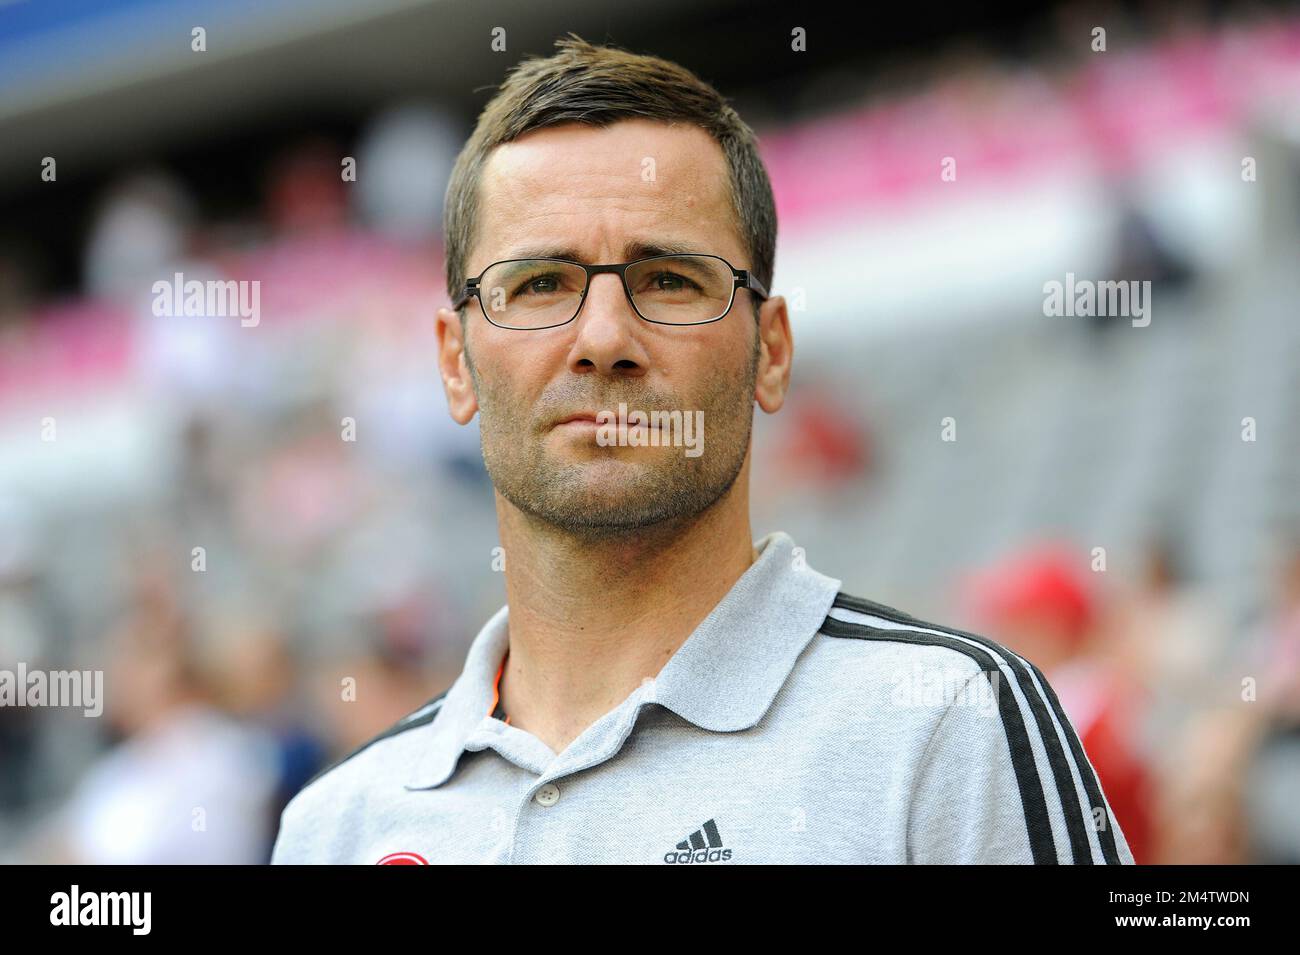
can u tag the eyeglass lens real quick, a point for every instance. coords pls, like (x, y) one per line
(677, 290)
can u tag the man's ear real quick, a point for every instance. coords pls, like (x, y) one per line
(462, 402)
(776, 350)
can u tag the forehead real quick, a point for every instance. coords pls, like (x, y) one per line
(595, 190)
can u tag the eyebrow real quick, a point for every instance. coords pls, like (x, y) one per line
(634, 249)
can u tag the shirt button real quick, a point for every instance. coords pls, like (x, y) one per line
(548, 795)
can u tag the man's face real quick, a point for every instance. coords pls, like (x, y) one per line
(583, 189)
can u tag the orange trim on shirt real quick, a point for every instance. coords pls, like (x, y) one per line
(496, 688)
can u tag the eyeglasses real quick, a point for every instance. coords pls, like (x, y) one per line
(685, 289)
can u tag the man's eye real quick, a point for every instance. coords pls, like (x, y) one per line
(667, 282)
(541, 285)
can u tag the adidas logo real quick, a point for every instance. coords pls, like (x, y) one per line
(702, 845)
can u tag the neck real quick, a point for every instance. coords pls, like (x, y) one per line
(590, 620)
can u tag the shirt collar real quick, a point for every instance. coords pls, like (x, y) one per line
(723, 678)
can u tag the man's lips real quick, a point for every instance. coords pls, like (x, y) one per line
(578, 416)
(587, 419)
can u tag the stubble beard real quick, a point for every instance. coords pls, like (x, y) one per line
(616, 492)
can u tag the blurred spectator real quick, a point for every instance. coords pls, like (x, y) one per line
(403, 164)
(186, 784)
(23, 638)
(1271, 770)
(141, 229)
(257, 673)
(361, 697)
(1278, 659)
(305, 190)
(1167, 638)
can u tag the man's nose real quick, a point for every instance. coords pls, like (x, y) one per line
(608, 339)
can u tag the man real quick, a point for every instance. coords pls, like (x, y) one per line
(659, 688)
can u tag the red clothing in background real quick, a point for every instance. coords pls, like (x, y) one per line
(1101, 710)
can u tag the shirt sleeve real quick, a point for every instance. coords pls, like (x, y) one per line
(999, 783)
(292, 846)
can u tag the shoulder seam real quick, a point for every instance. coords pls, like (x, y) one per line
(410, 721)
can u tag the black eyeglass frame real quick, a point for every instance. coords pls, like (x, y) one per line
(743, 278)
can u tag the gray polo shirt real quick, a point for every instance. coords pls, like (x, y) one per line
(797, 724)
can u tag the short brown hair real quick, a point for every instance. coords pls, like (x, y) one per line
(599, 85)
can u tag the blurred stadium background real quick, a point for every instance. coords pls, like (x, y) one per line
(914, 299)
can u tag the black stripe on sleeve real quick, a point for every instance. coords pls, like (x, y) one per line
(410, 721)
(1037, 822)
(1078, 819)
